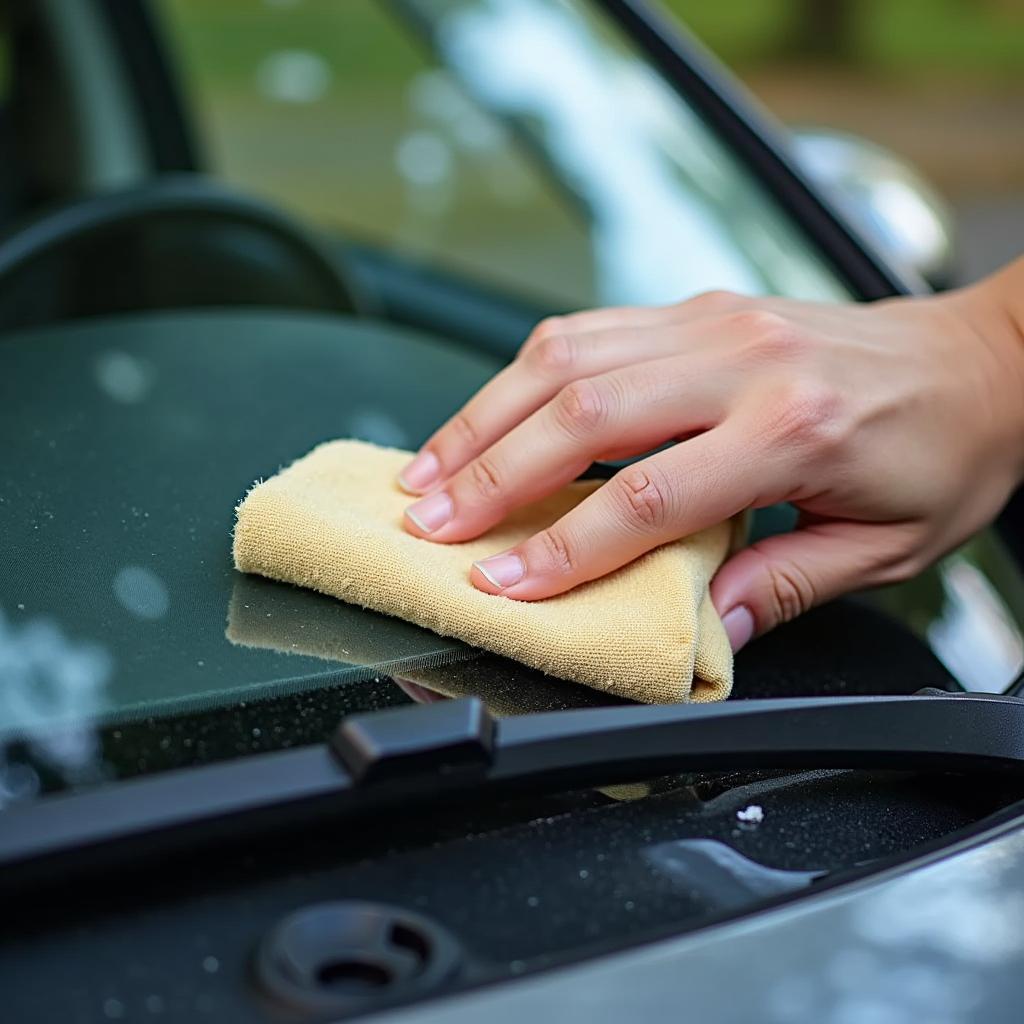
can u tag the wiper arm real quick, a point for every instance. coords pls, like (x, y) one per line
(425, 752)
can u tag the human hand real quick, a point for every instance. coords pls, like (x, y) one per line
(895, 428)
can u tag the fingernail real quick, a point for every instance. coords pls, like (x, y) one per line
(739, 626)
(421, 473)
(502, 570)
(431, 513)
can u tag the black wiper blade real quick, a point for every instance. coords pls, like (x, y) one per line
(428, 752)
(936, 730)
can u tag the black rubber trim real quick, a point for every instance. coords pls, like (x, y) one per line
(430, 752)
(761, 143)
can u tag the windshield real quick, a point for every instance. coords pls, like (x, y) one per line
(523, 142)
(519, 149)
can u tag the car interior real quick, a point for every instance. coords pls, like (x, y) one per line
(171, 331)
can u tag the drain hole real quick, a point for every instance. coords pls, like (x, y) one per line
(411, 940)
(353, 977)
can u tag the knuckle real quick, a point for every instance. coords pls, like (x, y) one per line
(790, 590)
(464, 429)
(770, 337)
(645, 497)
(757, 323)
(582, 407)
(715, 301)
(486, 480)
(556, 552)
(810, 413)
(553, 355)
(549, 327)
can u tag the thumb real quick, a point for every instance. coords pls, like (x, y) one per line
(781, 577)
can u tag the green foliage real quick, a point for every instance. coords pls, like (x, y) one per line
(983, 38)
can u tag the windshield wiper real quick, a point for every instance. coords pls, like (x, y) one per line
(433, 751)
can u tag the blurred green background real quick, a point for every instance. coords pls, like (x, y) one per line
(941, 82)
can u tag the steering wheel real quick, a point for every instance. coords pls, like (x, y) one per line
(179, 240)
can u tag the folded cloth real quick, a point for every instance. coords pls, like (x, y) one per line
(332, 521)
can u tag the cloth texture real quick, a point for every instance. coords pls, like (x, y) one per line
(332, 522)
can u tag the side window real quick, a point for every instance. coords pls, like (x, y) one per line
(336, 111)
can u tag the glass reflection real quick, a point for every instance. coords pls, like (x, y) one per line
(361, 644)
(669, 211)
(53, 689)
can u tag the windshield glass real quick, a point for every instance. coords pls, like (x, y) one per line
(518, 149)
(523, 142)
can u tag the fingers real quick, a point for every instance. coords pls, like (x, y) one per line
(668, 495)
(633, 409)
(559, 351)
(522, 388)
(784, 576)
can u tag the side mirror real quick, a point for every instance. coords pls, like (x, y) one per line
(885, 197)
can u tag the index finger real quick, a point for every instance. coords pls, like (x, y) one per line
(668, 495)
(559, 350)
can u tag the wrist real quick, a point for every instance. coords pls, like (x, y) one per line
(1006, 288)
(995, 310)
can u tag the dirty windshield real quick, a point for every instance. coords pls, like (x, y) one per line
(466, 137)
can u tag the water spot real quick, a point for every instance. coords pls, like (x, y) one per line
(123, 377)
(49, 679)
(532, 901)
(423, 158)
(18, 782)
(141, 592)
(113, 1008)
(155, 1004)
(294, 76)
(377, 426)
(211, 965)
(752, 815)
(584, 874)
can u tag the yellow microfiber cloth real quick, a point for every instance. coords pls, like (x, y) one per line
(332, 521)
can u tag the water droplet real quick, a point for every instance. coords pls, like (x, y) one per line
(123, 377)
(141, 592)
(294, 76)
(752, 815)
